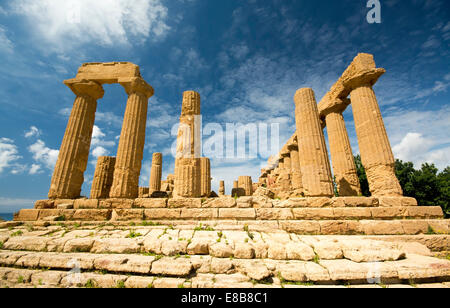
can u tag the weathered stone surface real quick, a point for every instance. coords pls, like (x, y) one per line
(221, 250)
(44, 204)
(172, 267)
(103, 177)
(245, 183)
(85, 204)
(221, 266)
(33, 243)
(91, 215)
(116, 245)
(264, 192)
(78, 245)
(127, 214)
(150, 203)
(205, 177)
(150, 214)
(185, 203)
(237, 213)
(199, 213)
(156, 173)
(223, 202)
(27, 215)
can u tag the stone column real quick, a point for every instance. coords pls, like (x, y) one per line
(156, 173)
(205, 177)
(314, 163)
(374, 145)
(103, 177)
(342, 158)
(295, 168)
(187, 178)
(222, 188)
(132, 139)
(235, 184)
(143, 192)
(68, 175)
(245, 182)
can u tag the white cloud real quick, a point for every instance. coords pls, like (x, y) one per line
(44, 155)
(33, 132)
(6, 45)
(11, 204)
(35, 169)
(64, 25)
(98, 138)
(99, 151)
(9, 154)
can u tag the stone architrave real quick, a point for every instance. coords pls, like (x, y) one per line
(103, 177)
(314, 163)
(68, 175)
(131, 144)
(156, 173)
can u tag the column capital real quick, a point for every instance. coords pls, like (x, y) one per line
(137, 85)
(364, 78)
(83, 87)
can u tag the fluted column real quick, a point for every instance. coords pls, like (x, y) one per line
(187, 178)
(295, 168)
(205, 177)
(314, 163)
(156, 173)
(132, 139)
(221, 188)
(68, 175)
(189, 139)
(374, 145)
(245, 182)
(342, 158)
(103, 177)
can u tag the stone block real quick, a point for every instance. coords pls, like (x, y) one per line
(313, 213)
(223, 202)
(396, 201)
(354, 202)
(192, 213)
(233, 213)
(27, 215)
(118, 203)
(424, 212)
(274, 214)
(85, 204)
(150, 203)
(185, 203)
(301, 227)
(352, 213)
(319, 201)
(127, 214)
(150, 214)
(180, 267)
(44, 204)
(388, 212)
(91, 215)
(377, 227)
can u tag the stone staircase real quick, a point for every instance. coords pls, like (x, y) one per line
(226, 242)
(200, 256)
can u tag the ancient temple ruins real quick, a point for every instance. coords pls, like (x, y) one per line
(290, 227)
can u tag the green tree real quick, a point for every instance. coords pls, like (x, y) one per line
(362, 177)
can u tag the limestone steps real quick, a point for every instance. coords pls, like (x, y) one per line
(126, 271)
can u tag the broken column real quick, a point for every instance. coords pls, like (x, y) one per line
(68, 175)
(374, 145)
(205, 177)
(343, 162)
(222, 188)
(156, 173)
(245, 182)
(103, 177)
(187, 162)
(314, 163)
(131, 145)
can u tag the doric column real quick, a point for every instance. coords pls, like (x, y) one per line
(143, 191)
(103, 177)
(132, 139)
(295, 167)
(222, 188)
(341, 152)
(245, 182)
(374, 145)
(156, 173)
(187, 178)
(68, 176)
(314, 163)
(189, 139)
(205, 177)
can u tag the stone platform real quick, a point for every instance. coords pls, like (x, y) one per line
(120, 255)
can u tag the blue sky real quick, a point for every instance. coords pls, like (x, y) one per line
(246, 58)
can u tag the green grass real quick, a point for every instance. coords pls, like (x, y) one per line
(20, 279)
(431, 231)
(316, 259)
(90, 284)
(203, 228)
(1, 245)
(150, 224)
(133, 234)
(120, 284)
(17, 233)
